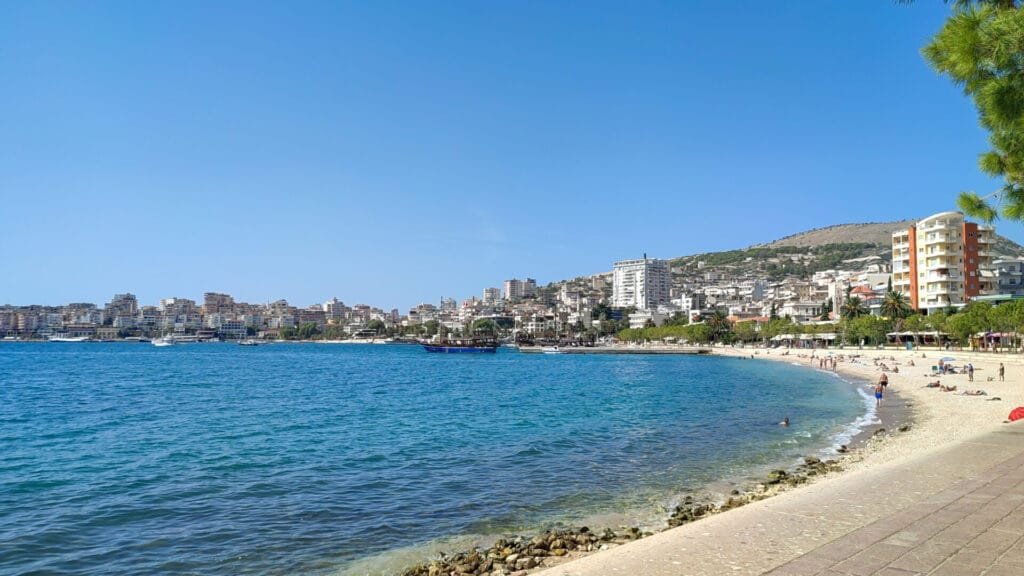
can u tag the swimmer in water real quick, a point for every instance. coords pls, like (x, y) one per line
(785, 421)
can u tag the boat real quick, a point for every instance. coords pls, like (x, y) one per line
(249, 342)
(466, 345)
(165, 341)
(551, 350)
(59, 338)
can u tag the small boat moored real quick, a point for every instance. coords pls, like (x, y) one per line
(63, 338)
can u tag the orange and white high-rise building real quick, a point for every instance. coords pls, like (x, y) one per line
(938, 262)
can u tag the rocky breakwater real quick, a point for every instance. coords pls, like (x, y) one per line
(775, 482)
(517, 555)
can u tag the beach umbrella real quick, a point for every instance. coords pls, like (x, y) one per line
(1016, 414)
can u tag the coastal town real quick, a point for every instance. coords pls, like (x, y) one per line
(938, 264)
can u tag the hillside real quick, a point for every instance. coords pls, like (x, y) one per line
(876, 233)
(802, 254)
(807, 252)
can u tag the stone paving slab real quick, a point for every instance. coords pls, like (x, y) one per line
(958, 510)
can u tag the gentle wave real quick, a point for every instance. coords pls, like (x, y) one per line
(219, 459)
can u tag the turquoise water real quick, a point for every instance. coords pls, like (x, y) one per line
(289, 458)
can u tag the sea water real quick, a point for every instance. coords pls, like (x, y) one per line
(124, 458)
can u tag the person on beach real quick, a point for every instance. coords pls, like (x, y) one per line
(1002, 371)
(878, 394)
(970, 372)
(883, 381)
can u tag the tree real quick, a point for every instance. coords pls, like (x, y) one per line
(895, 306)
(718, 324)
(431, 327)
(307, 330)
(677, 319)
(868, 329)
(826, 309)
(981, 49)
(853, 307)
(334, 332)
(483, 326)
(746, 331)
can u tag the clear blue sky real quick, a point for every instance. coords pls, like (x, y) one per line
(392, 153)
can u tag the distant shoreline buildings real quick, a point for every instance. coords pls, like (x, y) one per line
(939, 262)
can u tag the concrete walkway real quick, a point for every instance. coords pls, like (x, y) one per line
(956, 510)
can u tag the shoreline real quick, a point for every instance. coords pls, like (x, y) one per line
(527, 554)
(943, 423)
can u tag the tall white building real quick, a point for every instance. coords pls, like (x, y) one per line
(492, 295)
(643, 283)
(943, 261)
(518, 289)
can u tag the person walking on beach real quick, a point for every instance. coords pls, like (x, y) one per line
(1002, 371)
(883, 381)
(878, 394)
(970, 372)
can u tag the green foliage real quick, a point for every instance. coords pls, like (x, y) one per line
(307, 330)
(868, 329)
(981, 49)
(826, 308)
(694, 333)
(813, 259)
(677, 319)
(483, 327)
(896, 306)
(431, 327)
(853, 307)
(334, 332)
(918, 323)
(746, 331)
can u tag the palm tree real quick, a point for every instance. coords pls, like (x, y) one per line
(718, 324)
(895, 305)
(853, 307)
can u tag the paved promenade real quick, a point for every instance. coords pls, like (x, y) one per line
(956, 510)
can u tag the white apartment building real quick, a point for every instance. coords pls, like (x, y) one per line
(939, 261)
(518, 289)
(492, 295)
(642, 283)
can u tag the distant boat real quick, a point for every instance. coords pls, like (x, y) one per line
(59, 338)
(468, 345)
(165, 341)
(551, 350)
(249, 342)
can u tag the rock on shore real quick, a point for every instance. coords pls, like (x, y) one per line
(517, 555)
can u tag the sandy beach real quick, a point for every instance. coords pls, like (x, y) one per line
(928, 429)
(938, 418)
